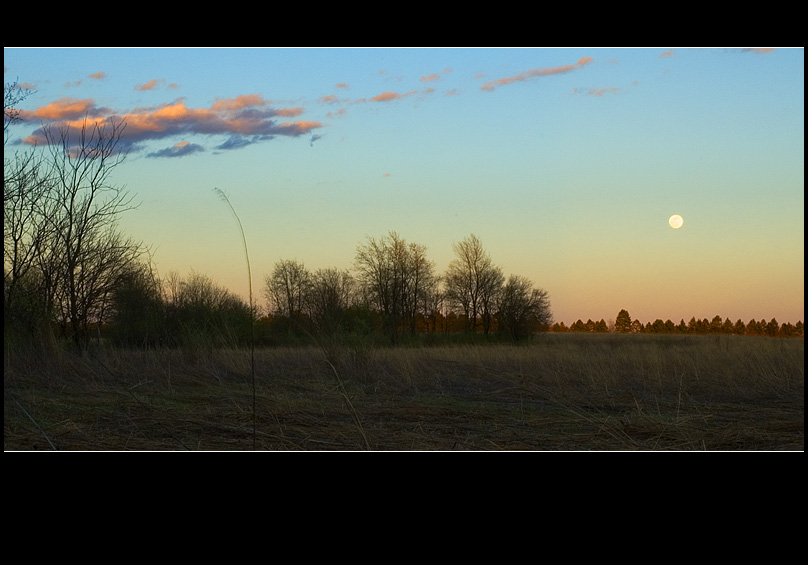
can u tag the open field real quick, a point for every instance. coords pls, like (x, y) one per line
(560, 392)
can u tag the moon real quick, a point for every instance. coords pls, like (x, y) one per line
(676, 221)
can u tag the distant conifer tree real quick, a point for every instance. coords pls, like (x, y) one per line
(622, 323)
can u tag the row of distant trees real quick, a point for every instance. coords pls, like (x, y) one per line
(392, 291)
(624, 324)
(400, 292)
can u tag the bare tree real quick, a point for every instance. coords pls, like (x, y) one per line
(100, 269)
(86, 251)
(432, 302)
(170, 287)
(380, 279)
(329, 296)
(522, 308)
(395, 275)
(420, 281)
(25, 231)
(200, 291)
(286, 288)
(204, 313)
(13, 94)
(472, 282)
(25, 184)
(490, 288)
(61, 241)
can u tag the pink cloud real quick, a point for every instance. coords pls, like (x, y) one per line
(289, 112)
(302, 126)
(241, 101)
(338, 114)
(64, 108)
(596, 91)
(245, 119)
(151, 85)
(388, 96)
(534, 73)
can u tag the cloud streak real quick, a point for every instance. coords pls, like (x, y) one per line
(596, 91)
(390, 96)
(492, 85)
(180, 149)
(151, 85)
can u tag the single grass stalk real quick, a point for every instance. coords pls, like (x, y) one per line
(24, 411)
(328, 354)
(224, 197)
(347, 398)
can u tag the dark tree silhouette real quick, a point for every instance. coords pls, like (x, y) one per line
(622, 324)
(522, 308)
(473, 281)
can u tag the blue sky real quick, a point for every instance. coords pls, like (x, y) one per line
(566, 163)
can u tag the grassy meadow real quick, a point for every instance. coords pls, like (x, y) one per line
(560, 392)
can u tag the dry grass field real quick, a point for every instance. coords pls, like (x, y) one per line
(565, 392)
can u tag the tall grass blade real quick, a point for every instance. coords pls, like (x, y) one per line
(226, 200)
(24, 411)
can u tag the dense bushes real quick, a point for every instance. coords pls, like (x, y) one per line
(194, 311)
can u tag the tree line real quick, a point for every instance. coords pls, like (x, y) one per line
(69, 272)
(395, 290)
(624, 324)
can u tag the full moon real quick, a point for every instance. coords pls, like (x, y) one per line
(676, 221)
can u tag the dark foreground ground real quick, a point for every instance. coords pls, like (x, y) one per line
(559, 393)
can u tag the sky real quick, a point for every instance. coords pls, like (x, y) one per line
(566, 163)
